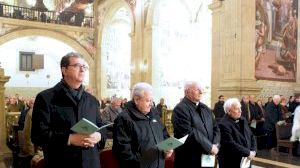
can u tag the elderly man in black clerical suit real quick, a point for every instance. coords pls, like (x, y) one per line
(193, 118)
(272, 116)
(137, 130)
(237, 140)
(57, 109)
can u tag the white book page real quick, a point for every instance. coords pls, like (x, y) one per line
(245, 162)
(183, 139)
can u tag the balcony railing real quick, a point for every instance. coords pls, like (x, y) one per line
(17, 12)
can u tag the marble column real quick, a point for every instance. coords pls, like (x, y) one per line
(141, 48)
(148, 54)
(3, 147)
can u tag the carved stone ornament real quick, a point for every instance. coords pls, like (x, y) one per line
(85, 39)
(5, 28)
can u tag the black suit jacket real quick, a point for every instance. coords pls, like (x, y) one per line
(55, 112)
(198, 122)
(236, 142)
(219, 110)
(136, 136)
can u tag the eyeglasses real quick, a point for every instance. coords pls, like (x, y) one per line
(78, 66)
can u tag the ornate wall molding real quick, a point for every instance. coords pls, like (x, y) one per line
(82, 35)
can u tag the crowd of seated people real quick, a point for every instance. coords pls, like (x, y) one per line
(14, 103)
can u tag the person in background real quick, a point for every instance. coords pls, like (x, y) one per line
(160, 106)
(272, 116)
(269, 101)
(13, 105)
(27, 149)
(137, 131)
(123, 104)
(257, 117)
(245, 107)
(193, 118)
(285, 114)
(290, 102)
(57, 109)
(261, 106)
(110, 112)
(237, 140)
(23, 115)
(218, 109)
(20, 101)
(295, 103)
(104, 103)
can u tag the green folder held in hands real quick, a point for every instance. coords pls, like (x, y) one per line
(85, 126)
(171, 143)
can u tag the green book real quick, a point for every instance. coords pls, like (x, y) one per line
(171, 143)
(85, 126)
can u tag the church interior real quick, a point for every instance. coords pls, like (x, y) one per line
(234, 48)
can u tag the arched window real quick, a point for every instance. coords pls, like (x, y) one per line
(181, 48)
(116, 55)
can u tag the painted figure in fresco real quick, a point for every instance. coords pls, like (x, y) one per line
(260, 38)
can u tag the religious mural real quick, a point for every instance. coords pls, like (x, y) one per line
(276, 39)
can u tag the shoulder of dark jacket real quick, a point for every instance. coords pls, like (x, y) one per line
(203, 106)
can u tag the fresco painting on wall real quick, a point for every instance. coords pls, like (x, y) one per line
(276, 40)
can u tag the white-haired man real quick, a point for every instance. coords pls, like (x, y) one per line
(272, 116)
(137, 130)
(194, 118)
(237, 140)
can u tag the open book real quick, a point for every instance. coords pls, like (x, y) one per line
(245, 162)
(171, 143)
(85, 126)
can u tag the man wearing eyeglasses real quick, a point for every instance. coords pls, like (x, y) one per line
(57, 109)
(193, 118)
